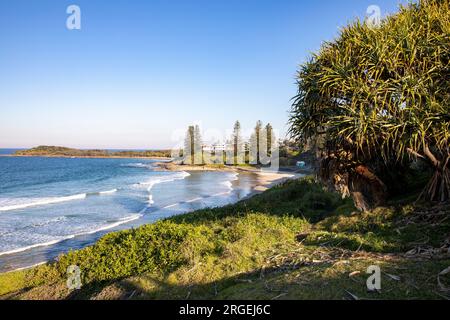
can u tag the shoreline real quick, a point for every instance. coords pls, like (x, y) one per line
(268, 179)
(263, 182)
(171, 166)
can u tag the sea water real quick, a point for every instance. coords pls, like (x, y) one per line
(51, 205)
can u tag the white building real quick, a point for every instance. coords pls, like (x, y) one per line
(215, 147)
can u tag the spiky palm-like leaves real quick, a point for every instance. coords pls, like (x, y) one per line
(379, 96)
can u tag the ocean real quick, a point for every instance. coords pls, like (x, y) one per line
(51, 205)
(5, 152)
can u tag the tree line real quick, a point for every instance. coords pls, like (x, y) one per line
(257, 150)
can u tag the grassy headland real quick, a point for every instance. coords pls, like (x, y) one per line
(52, 151)
(294, 241)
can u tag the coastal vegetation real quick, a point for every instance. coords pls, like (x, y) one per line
(293, 241)
(52, 151)
(374, 105)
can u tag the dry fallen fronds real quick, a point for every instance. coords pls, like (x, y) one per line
(393, 276)
(279, 296)
(351, 295)
(354, 273)
(432, 216)
(428, 252)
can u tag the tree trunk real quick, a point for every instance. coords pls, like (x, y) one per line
(438, 188)
(367, 190)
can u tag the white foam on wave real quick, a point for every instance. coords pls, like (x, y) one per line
(112, 225)
(44, 244)
(171, 206)
(22, 203)
(221, 194)
(108, 192)
(229, 185)
(162, 179)
(39, 202)
(52, 242)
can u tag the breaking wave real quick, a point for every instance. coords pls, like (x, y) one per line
(22, 203)
(111, 225)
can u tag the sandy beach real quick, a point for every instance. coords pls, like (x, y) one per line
(270, 179)
(265, 180)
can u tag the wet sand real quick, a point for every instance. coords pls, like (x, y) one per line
(266, 178)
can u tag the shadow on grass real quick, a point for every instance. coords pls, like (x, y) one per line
(401, 279)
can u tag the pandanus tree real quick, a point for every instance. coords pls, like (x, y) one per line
(376, 99)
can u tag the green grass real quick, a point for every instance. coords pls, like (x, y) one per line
(294, 241)
(12, 281)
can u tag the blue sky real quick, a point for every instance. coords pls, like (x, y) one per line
(138, 71)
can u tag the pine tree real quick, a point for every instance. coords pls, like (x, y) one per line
(198, 146)
(255, 143)
(188, 152)
(237, 144)
(270, 138)
(258, 129)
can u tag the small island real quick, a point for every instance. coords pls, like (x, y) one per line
(55, 151)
